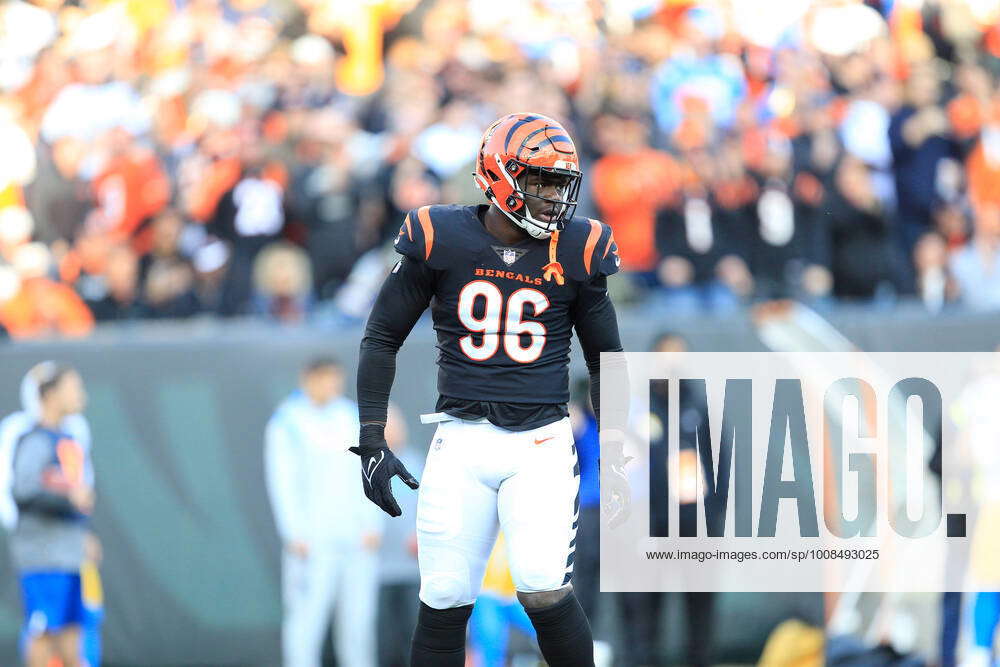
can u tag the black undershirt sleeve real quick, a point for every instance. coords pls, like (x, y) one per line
(404, 296)
(597, 328)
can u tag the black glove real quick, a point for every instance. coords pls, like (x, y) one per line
(615, 490)
(378, 466)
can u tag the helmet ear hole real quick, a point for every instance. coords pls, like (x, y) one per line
(492, 175)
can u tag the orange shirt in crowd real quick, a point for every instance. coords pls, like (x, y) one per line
(221, 176)
(968, 115)
(131, 188)
(983, 177)
(44, 307)
(627, 190)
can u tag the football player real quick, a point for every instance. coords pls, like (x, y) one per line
(507, 283)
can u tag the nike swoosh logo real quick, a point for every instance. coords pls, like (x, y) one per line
(538, 442)
(373, 464)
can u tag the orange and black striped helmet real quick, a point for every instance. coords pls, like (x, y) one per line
(529, 147)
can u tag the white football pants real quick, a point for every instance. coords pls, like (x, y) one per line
(479, 477)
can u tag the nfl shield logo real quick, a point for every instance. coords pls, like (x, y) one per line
(508, 255)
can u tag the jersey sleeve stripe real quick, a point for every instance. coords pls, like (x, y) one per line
(409, 229)
(592, 238)
(424, 216)
(611, 242)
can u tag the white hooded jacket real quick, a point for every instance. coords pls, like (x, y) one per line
(313, 481)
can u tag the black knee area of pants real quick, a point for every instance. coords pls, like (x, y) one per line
(439, 638)
(564, 635)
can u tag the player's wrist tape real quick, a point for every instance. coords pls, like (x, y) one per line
(372, 435)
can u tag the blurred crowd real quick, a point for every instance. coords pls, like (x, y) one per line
(176, 158)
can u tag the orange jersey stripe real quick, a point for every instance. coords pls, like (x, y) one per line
(409, 230)
(424, 215)
(592, 238)
(611, 242)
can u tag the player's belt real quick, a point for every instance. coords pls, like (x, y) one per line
(439, 417)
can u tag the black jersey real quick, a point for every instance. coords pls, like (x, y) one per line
(504, 314)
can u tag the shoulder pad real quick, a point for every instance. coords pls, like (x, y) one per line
(432, 234)
(587, 249)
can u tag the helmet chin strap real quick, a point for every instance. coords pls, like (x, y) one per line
(534, 227)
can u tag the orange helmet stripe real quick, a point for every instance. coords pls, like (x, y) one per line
(523, 132)
(520, 122)
(592, 238)
(424, 216)
(530, 142)
(545, 139)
